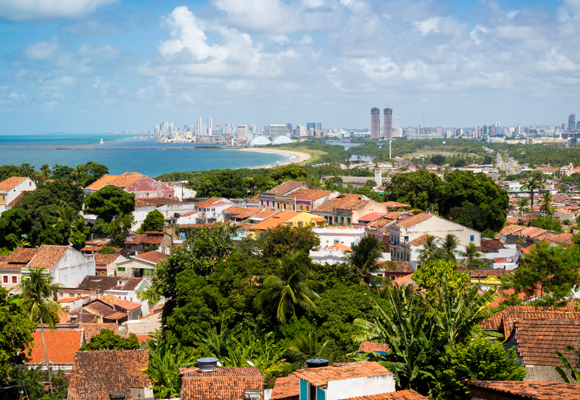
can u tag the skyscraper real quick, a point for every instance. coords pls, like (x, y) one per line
(319, 126)
(388, 115)
(571, 122)
(375, 123)
(199, 127)
(209, 126)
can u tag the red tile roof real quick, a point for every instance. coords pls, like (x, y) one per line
(398, 395)
(404, 279)
(420, 241)
(538, 339)
(122, 181)
(110, 299)
(127, 305)
(248, 212)
(511, 229)
(156, 201)
(371, 217)
(100, 308)
(92, 329)
(414, 220)
(60, 346)
(19, 258)
(321, 376)
(109, 283)
(489, 245)
(221, 384)
(105, 259)
(349, 202)
(275, 220)
(368, 347)
(209, 202)
(144, 239)
(152, 256)
(96, 373)
(562, 237)
(286, 387)
(48, 256)
(11, 183)
(394, 204)
(234, 210)
(529, 390)
(265, 214)
(310, 194)
(285, 187)
(116, 316)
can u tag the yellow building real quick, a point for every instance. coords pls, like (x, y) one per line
(291, 218)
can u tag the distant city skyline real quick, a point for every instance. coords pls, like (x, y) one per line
(107, 65)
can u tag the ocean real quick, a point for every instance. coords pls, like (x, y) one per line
(137, 155)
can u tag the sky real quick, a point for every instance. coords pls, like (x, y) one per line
(105, 65)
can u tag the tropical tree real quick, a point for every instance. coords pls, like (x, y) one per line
(153, 222)
(546, 206)
(307, 345)
(523, 205)
(37, 291)
(531, 185)
(430, 250)
(568, 365)
(470, 254)
(449, 246)
(364, 257)
(292, 286)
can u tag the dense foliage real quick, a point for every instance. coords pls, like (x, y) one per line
(153, 222)
(108, 340)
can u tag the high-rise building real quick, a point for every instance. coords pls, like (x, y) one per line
(277, 130)
(439, 130)
(375, 123)
(572, 122)
(388, 126)
(199, 127)
(492, 130)
(242, 131)
(289, 127)
(578, 125)
(209, 126)
(319, 126)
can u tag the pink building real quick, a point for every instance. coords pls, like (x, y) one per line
(133, 182)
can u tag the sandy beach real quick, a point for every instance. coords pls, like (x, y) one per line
(300, 157)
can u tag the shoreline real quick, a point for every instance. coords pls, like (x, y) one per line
(298, 157)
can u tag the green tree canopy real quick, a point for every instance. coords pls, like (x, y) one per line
(290, 172)
(108, 340)
(13, 224)
(223, 183)
(283, 239)
(364, 257)
(109, 202)
(153, 222)
(420, 189)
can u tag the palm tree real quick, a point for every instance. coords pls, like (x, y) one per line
(307, 345)
(36, 291)
(546, 206)
(364, 257)
(292, 285)
(531, 185)
(471, 253)
(523, 205)
(430, 250)
(449, 246)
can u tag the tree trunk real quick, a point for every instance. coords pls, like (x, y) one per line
(46, 357)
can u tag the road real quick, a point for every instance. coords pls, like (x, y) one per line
(509, 166)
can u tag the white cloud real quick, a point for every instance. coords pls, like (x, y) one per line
(42, 50)
(24, 10)
(429, 25)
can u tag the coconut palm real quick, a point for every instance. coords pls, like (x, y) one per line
(307, 345)
(430, 250)
(292, 286)
(364, 257)
(449, 245)
(546, 206)
(36, 293)
(523, 205)
(471, 253)
(531, 185)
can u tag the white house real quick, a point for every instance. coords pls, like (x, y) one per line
(407, 230)
(169, 207)
(331, 235)
(187, 218)
(345, 381)
(11, 188)
(66, 265)
(211, 210)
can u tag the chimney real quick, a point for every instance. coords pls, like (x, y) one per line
(116, 395)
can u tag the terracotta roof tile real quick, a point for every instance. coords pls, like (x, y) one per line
(340, 247)
(420, 241)
(489, 245)
(404, 279)
(321, 376)
(274, 220)
(286, 387)
(393, 215)
(398, 395)
(96, 373)
(265, 214)
(530, 390)
(60, 346)
(348, 202)
(11, 183)
(82, 315)
(156, 201)
(100, 308)
(144, 239)
(127, 305)
(209, 202)
(109, 283)
(511, 229)
(105, 259)
(513, 313)
(188, 214)
(19, 258)
(368, 347)
(531, 232)
(371, 217)
(116, 316)
(414, 220)
(16, 200)
(310, 194)
(485, 272)
(221, 384)
(110, 299)
(248, 212)
(562, 237)
(285, 187)
(394, 204)
(152, 256)
(94, 329)
(234, 210)
(48, 256)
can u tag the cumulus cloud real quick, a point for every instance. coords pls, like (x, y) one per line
(25, 10)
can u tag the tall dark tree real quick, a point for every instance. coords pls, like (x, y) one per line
(419, 189)
(364, 257)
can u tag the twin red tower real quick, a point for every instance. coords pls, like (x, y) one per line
(387, 131)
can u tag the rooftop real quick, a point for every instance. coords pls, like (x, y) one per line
(127, 305)
(371, 217)
(513, 313)
(511, 229)
(209, 202)
(348, 202)
(275, 220)
(321, 376)
(145, 239)
(152, 256)
(48, 256)
(156, 201)
(286, 187)
(310, 194)
(122, 181)
(19, 258)
(60, 346)
(96, 373)
(530, 390)
(11, 183)
(398, 395)
(109, 283)
(414, 220)
(220, 384)
(285, 387)
(110, 299)
(368, 347)
(93, 329)
(105, 259)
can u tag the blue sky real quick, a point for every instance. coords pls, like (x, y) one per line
(103, 65)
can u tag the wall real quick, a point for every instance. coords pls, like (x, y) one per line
(26, 185)
(72, 268)
(347, 236)
(149, 187)
(10, 273)
(356, 387)
(367, 209)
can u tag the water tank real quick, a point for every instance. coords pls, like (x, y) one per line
(207, 364)
(317, 362)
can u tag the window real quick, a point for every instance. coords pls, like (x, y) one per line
(120, 269)
(14, 279)
(284, 206)
(471, 238)
(300, 223)
(348, 221)
(392, 277)
(61, 294)
(335, 241)
(71, 295)
(5, 279)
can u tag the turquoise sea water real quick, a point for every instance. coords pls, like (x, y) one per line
(145, 156)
